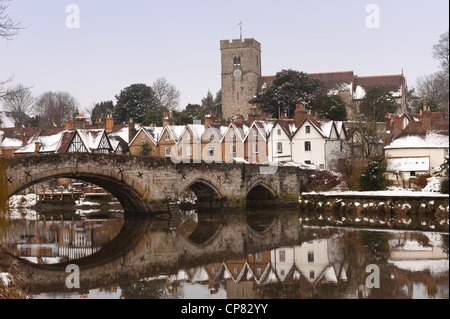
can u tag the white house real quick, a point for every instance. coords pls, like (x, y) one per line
(316, 142)
(279, 141)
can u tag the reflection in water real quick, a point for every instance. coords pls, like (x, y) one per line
(50, 242)
(253, 255)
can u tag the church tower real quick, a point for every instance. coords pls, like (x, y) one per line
(241, 69)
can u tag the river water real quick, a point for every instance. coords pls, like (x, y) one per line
(275, 254)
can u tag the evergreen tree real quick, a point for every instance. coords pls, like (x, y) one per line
(373, 178)
(133, 102)
(330, 107)
(377, 103)
(288, 89)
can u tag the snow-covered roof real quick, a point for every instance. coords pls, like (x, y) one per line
(122, 133)
(264, 128)
(197, 131)
(91, 138)
(431, 140)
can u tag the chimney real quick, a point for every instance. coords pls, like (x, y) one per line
(168, 119)
(209, 118)
(68, 125)
(426, 107)
(18, 126)
(300, 115)
(398, 125)
(37, 146)
(24, 139)
(388, 129)
(283, 116)
(109, 123)
(239, 120)
(80, 122)
(426, 115)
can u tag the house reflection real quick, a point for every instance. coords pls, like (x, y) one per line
(50, 242)
(303, 269)
(418, 266)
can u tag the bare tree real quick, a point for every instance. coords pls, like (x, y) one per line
(8, 27)
(441, 52)
(18, 103)
(166, 94)
(435, 86)
(54, 108)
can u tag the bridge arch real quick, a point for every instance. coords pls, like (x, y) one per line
(30, 171)
(260, 194)
(208, 195)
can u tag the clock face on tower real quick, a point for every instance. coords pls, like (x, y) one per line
(237, 73)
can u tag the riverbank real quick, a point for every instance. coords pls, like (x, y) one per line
(397, 208)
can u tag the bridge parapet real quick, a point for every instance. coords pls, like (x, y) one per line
(149, 185)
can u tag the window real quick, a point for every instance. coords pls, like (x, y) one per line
(233, 149)
(142, 139)
(279, 131)
(242, 83)
(308, 129)
(188, 136)
(237, 60)
(308, 162)
(188, 150)
(311, 274)
(233, 84)
(322, 166)
(167, 151)
(255, 148)
(280, 147)
(210, 150)
(258, 271)
(167, 137)
(311, 257)
(307, 146)
(282, 256)
(258, 257)
(255, 133)
(412, 174)
(235, 270)
(237, 96)
(232, 134)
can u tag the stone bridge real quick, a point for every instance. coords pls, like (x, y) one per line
(150, 185)
(150, 247)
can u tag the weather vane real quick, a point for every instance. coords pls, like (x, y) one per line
(240, 25)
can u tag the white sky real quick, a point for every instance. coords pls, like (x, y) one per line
(124, 42)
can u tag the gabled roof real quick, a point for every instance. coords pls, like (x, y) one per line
(317, 126)
(196, 130)
(117, 141)
(175, 132)
(216, 129)
(240, 129)
(92, 138)
(263, 127)
(287, 125)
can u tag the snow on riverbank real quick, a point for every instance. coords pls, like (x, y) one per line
(395, 192)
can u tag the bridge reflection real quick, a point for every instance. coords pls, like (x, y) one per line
(274, 253)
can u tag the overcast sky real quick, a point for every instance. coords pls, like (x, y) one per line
(119, 43)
